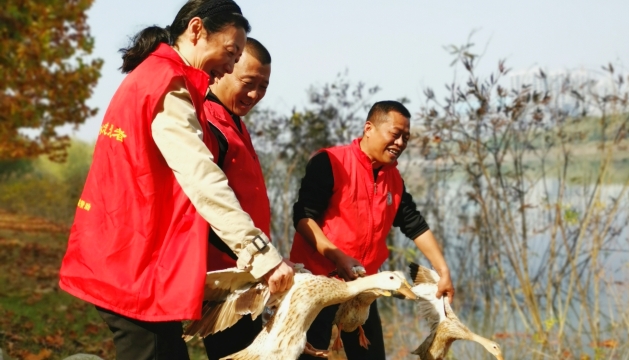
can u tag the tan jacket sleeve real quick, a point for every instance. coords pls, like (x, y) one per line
(179, 137)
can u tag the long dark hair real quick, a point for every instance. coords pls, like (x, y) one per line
(216, 14)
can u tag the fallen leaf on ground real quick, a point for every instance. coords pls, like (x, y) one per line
(31, 271)
(34, 298)
(92, 329)
(43, 355)
(54, 340)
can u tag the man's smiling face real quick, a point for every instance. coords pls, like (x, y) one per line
(241, 90)
(385, 140)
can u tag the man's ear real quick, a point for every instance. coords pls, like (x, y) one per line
(367, 128)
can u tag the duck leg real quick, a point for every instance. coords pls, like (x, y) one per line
(338, 343)
(310, 350)
(362, 339)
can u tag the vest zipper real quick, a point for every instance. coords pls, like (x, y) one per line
(371, 221)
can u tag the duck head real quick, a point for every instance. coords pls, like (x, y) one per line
(395, 282)
(493, 349)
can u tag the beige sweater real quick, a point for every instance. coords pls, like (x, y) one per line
(179, 137)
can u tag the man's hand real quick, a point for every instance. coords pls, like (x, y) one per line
(427, 244)
(444, 286)
(280, 278)
(345, 266)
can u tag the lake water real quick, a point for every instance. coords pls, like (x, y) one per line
(503, 318)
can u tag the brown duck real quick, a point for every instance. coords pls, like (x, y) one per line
(445, 327)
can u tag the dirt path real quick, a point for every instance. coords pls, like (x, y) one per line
(15, 222)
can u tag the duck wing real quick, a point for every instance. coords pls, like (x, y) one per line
(230, 294)
(432, 309)
(220, 283)
(421, 274)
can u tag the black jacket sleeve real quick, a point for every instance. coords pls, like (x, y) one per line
(316, 189)
(408, 218)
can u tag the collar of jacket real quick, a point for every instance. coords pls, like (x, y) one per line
(213, 98)
(199, 78)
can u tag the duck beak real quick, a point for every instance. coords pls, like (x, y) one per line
(405, 290)
(499, 357)
(383, 292)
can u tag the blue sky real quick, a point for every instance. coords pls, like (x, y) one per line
(395, 44)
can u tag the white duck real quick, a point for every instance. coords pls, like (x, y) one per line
(445, 327)
(284, 335)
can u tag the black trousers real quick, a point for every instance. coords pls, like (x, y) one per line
(233, 339)
(143, 340)
(320, 333)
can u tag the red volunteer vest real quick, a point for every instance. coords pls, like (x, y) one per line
(360, 212)
(137, 246)
(244, 176)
